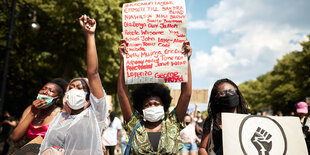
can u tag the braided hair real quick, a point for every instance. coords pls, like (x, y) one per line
(242, 107)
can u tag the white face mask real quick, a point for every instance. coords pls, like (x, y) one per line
(76, 99)
(154, 114)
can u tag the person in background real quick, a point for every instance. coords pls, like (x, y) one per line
(124, 137)
(199, 125)
(199, 122)
(279, 113)
(37, 117)
(292, 113)
(302, 111)
(159, 133)
(112, 134)
(77, 130)
(189, 137)
(7, 123)
(225, 97)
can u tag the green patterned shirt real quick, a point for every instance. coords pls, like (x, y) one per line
(170, 141)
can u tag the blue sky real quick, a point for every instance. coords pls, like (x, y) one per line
(242, 39)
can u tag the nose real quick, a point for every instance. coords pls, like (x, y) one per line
(153, 105)
(45, 91)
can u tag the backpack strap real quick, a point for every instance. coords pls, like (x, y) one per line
(127, 150)
(305, 121)
(210, 148)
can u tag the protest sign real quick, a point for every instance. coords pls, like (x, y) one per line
(262, 135)
(155, 31)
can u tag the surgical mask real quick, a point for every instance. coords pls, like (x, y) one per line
(154, 114)
(228, 101)
(48, 100)
(76, 99)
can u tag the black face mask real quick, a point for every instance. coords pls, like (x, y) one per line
(227, 102)
(187, 123)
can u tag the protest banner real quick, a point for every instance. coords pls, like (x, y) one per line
(262, 135)
(155, 31)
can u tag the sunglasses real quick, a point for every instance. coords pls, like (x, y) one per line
(225, 92)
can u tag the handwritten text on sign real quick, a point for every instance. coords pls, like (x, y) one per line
(155, 31)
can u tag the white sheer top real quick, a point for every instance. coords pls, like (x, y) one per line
(79, 134)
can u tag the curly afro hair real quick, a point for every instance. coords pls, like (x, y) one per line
(62, 85)
(148, 90)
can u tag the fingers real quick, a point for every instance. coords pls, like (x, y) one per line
(123, 41)
(83, 19)
(86, 22)
(187, 49)
(122, 46)
(39, 103)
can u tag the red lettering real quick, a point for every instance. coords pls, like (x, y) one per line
(138, 67)
(147, 32)
(139, 74)
(163, 25)
(178, 63)
(170, 76)
(148, 44)
(163, 45)
(134, 24)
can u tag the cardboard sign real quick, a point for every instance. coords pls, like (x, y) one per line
(262, 135)
(155, 31)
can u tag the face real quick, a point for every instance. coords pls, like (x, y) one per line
(301, 115)
(223, 90)
(187, 119)
(77, 85)
(153, 101)
(49, 89)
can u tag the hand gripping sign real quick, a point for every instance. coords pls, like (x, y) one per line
(155, 31)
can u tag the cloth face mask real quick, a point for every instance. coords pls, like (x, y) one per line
(154, 114)
(228, 101)
(48, 99)
(76, 99)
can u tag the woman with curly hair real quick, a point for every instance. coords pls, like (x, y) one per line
(160, 130)
(225, 97)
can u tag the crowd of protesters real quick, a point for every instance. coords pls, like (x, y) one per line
(84, 125)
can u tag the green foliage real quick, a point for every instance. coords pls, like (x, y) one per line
(284, 86)
(58, 49)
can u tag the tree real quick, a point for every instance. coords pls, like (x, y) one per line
(284, 86)
(58, 49)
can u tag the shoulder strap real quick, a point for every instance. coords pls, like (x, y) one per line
(127, 150)
(210, 142)
(305, 121)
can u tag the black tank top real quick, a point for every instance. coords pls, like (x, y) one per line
(154, 139)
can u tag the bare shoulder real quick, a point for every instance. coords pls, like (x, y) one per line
(26, 111)
(56, 111)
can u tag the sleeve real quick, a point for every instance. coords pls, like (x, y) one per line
(100, 108)
(119, 124)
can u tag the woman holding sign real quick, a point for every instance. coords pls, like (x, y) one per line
(225, 97)
(155, 130)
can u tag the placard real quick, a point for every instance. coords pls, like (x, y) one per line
(155, 31)
(262, 135)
